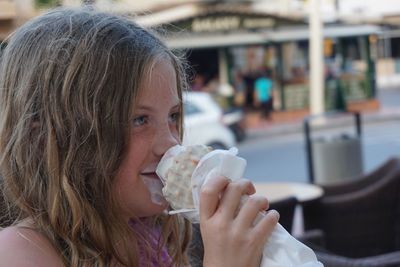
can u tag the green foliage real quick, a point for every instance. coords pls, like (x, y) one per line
(47, 3)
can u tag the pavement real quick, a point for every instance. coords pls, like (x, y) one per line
(387, 110)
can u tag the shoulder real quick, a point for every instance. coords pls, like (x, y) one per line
(21, 246)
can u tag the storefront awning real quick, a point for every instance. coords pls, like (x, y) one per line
(221, 40)
(193, 41)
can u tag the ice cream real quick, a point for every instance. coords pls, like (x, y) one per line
(176, 175)
(183, 170)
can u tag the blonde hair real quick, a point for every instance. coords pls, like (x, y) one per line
(67, 83)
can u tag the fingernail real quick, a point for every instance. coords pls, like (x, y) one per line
(274, 213)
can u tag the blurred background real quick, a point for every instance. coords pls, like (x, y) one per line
(308, 90)
(254, 59)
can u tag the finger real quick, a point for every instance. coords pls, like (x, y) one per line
(232, 196)
(266, 225)
(250, 209)
(210, 196)
(252, 189)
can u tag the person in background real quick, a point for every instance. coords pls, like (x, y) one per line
(240, 88)
(89, 104)
(263, 94)
(198, 82)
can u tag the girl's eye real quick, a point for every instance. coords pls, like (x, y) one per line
(174, 117)
(140, 121)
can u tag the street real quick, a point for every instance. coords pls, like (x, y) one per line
(283, 158)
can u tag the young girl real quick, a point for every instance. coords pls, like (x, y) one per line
(89, 103)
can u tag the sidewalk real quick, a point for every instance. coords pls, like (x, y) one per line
(388, 110)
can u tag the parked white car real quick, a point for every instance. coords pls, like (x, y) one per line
(203, 122)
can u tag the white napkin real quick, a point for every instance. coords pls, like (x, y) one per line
(281, 249)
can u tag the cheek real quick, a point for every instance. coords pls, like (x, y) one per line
(128, 171)
(135, 157)
(127, 186)
(129, 167)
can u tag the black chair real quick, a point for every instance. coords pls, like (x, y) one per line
(359, 220)
(311, 208)
(196, 248)
(286, 208)
(391, 259)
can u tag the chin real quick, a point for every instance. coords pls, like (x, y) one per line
(153, 209)
(161, 208)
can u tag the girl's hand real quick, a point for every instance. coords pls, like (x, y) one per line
(229, 236)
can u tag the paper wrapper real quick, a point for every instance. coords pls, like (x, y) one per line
(281, 249)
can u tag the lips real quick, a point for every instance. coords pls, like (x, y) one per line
(154, 185)
(150, 175)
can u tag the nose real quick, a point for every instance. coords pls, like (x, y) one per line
(165, 138)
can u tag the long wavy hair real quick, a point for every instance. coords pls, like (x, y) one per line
(68, 84)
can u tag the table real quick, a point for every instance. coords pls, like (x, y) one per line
(276, 191)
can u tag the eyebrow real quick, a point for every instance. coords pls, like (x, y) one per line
(151, 108)
(144, 108)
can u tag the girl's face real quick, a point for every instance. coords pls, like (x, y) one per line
(154, 129)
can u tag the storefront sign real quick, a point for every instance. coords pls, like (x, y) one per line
(228, 23)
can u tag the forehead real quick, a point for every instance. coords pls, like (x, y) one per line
(159, 82)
